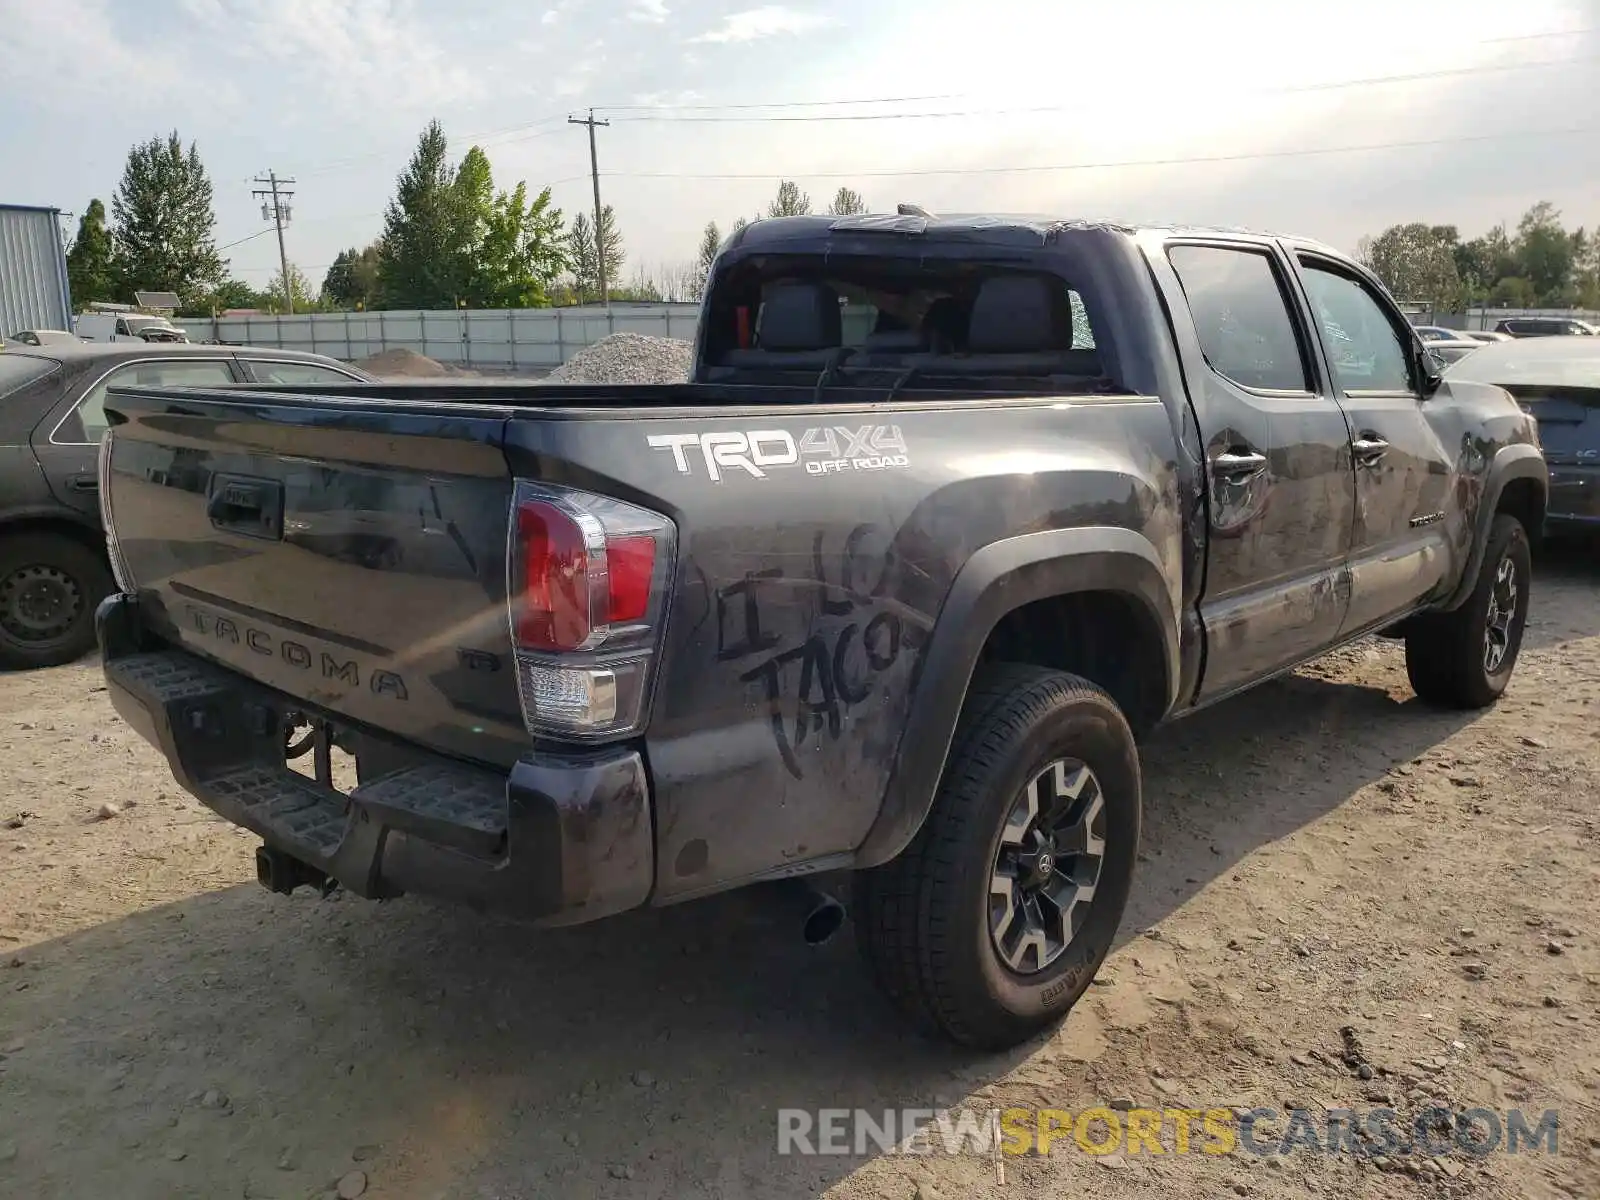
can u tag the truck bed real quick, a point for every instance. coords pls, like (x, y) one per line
(809, 569)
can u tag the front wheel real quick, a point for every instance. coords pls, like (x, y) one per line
(1464, 658)
(991, 923)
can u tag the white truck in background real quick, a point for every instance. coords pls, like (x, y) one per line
(126, 327)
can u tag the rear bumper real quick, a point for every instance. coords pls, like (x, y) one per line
(557, 840)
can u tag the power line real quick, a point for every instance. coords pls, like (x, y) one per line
(344, 164)
(1337, 85)
(243, 240)
(1418, 143)
(779, 103)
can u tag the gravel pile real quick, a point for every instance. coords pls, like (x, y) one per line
(628, 358)
(401, 363)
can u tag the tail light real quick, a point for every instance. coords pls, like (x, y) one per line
(119, 565)
(587, 595)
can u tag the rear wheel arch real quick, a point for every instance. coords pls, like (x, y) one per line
(49, 524)
(1018, 600)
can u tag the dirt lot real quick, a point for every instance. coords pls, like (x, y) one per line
(1323, 853)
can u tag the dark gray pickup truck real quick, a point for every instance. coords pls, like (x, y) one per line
(950, 512)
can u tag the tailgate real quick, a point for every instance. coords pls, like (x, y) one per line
(1569, 422)
(351, 553)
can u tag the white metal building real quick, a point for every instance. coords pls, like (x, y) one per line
(33, 270)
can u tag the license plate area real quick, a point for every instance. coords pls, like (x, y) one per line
(247, 505)
(320, 750)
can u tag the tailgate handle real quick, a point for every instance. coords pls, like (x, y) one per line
(253, 507)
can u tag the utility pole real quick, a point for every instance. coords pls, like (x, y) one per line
(277, 210)
(594, 175)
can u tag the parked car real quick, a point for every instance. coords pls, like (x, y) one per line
(44, 337)
(1485, 335)
(1522, 327)
(1557, 381)
(1452, 351)
(53, 567)
(1446, 345)
(896, 604)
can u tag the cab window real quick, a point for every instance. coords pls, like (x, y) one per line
(1365, 349)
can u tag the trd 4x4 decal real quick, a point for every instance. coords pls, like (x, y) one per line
(823, 449)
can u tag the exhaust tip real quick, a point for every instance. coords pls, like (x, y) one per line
(820, 915)
(823, 921)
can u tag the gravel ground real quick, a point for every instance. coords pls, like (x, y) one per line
(1320, 854)
(628, 358)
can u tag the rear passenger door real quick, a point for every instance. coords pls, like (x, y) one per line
(1280, 497)
(1400, 548)
(67, 442)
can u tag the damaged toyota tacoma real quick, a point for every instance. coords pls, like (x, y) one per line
(948, 514)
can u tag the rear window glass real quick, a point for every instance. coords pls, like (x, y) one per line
(1546, 362)
(855, 316)
(17, 371)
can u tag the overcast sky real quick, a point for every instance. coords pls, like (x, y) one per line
(1128, 94)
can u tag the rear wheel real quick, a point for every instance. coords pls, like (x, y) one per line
(1464, 658)
(49, 587)
(990, 925)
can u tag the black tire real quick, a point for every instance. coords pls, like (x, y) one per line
(1449, 655)
(49, 587)
(923, 920)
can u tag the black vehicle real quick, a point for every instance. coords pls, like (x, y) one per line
(1528, 327)
(948, 514)
(53, 568)
(1557, 381)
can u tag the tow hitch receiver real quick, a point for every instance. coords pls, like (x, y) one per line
(282, 873)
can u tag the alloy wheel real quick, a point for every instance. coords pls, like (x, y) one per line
(1047, 866)
(1502, 612)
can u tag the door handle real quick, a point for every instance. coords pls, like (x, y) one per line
(84, 483)
(253, 507)
(1236, 466)
(1369, 449)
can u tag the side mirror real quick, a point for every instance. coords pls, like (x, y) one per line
(1430, 370)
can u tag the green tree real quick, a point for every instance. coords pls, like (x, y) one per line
(230, 293)
(1544, 252)
(847, 202)
(90, 266)
(1586, 268)
(164, 221)
(611, 243)
(420, 256)
(299, 289)
(581, 259)
(472, 201)
(710, 243)
(1481, 262)
(790, 201)
(642, 288)
(522, 253)
(1417, 262)
(352, 278)
(584, 258)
